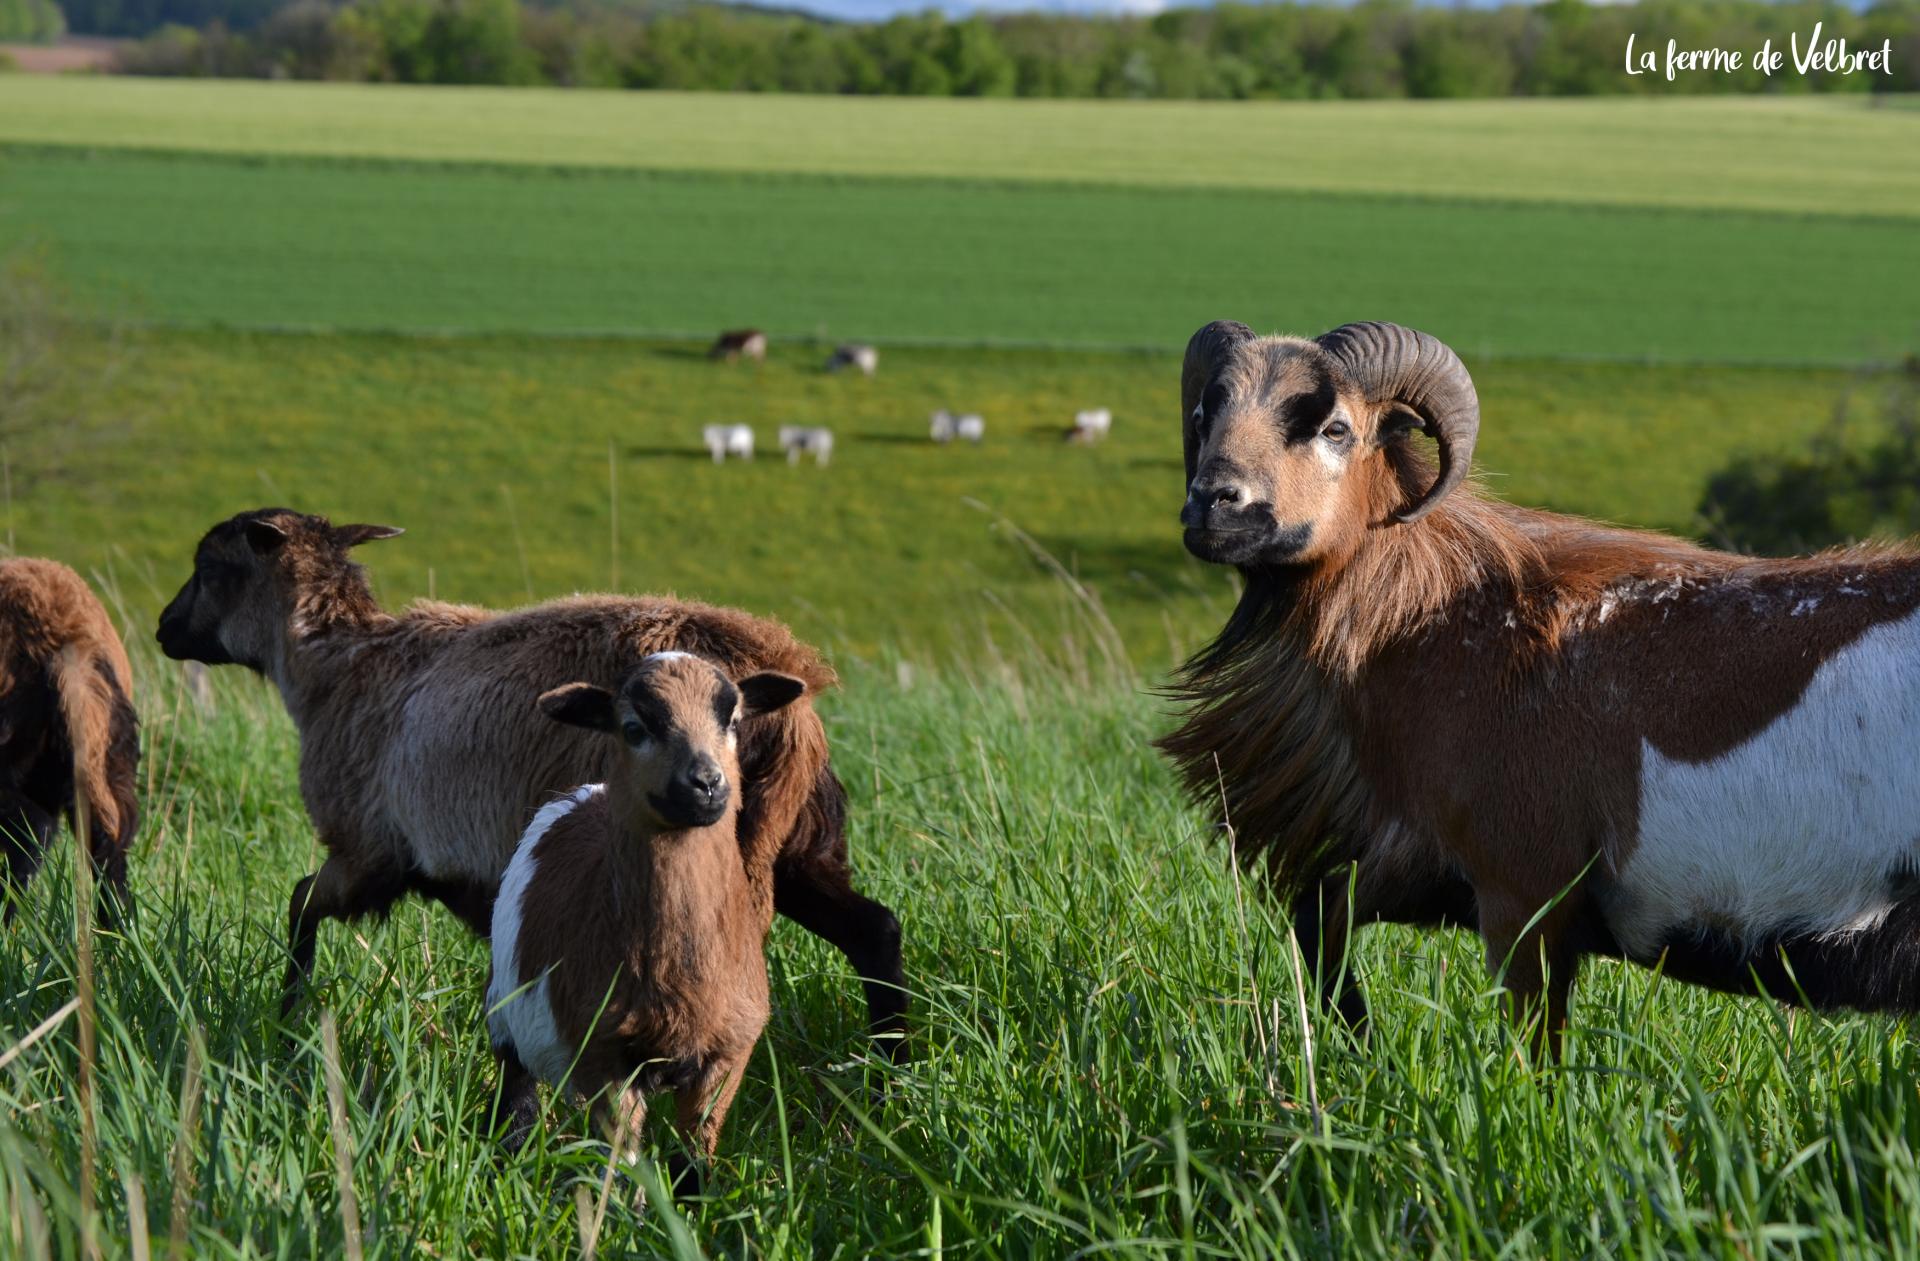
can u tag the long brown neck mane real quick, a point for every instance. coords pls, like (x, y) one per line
(1269, 704)
(334, 611)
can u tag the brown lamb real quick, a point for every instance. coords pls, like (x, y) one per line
(422, 755)
(629, 937)
(68, 732)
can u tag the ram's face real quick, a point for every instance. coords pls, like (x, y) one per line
(1270, 441)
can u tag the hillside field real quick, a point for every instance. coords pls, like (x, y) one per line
(494, 453)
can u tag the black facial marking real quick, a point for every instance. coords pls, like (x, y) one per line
(1302, 415)
(725, 700)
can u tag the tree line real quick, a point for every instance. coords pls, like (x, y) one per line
(1378, 48)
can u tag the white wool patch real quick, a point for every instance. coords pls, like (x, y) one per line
(1801, 828)
(519, 1012)
(668, 654)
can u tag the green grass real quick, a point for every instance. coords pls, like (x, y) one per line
(204, 241)
(489, 449)
(1822, 155)
(1109, 1054)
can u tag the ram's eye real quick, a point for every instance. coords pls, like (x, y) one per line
(635, 732)
(1338, 431)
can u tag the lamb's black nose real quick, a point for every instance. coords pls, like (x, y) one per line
(706, 779)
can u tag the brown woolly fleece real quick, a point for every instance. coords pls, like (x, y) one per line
(1451, 714)
(68, 731)
(423, 754)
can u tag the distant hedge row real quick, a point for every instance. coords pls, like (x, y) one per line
(1379, 48)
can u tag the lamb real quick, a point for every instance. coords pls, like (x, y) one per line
(418, 779)
(629, 936)
(739, 343)
(725, 440)
(798, 440)
(1575, 738)
(68, 732)
(944, 427)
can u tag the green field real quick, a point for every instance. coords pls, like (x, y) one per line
(368, 247)
(1109, 1059)
(1110, 1054)
(489, 448)
(1816, 155)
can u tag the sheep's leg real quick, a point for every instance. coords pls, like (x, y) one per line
(26, 830)
(109, 853)
(818, 895)
(1540, 964)
(700, 1109)
(1326, 920)
(620, 1113)
(517, 1105)
(336, 891)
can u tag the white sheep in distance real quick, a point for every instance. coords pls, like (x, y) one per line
(970, 428)
(798, 440)
(1091, 426)
(940, 426)
(725, 440)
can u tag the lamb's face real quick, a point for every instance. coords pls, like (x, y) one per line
(679, 718)
(1271, 441)
(248, 573)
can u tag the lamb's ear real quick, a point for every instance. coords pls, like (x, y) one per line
(580, 705)
(345, 536)
(265, 537)
(768, 691)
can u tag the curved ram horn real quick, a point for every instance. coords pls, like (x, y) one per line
(1205, 351)
(1393, 364)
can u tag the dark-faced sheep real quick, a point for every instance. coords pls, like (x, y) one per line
(739, 343)
(1576, 738)
(629, 939)
(422, 755)
(68, 732)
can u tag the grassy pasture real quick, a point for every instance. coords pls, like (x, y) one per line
(378, 246)
(491, 449)
(1815, 155)
(1110, 1055)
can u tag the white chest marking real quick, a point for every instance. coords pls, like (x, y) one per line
(519, 1009)
(1802, 828)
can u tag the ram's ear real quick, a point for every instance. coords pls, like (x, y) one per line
(345, 536)
(768, 691)
(1397, 422)
(580, 705)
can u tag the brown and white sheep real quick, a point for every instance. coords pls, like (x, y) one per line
(68, 731)
(1577, 738)
(418, 770)
(629, 939)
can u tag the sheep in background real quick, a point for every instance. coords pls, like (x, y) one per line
(725, 440)
(68, 733)
(740, 343)
(796, 440)
(946, 427)
(1090, 426)
(854, 355)
(629, 939)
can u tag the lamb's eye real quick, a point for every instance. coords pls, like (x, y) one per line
(1337, 431)
(635, 733)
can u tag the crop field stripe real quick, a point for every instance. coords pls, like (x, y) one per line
(1836, 155)
(180, 240)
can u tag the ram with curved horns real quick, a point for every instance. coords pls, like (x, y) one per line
(1433, 707)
